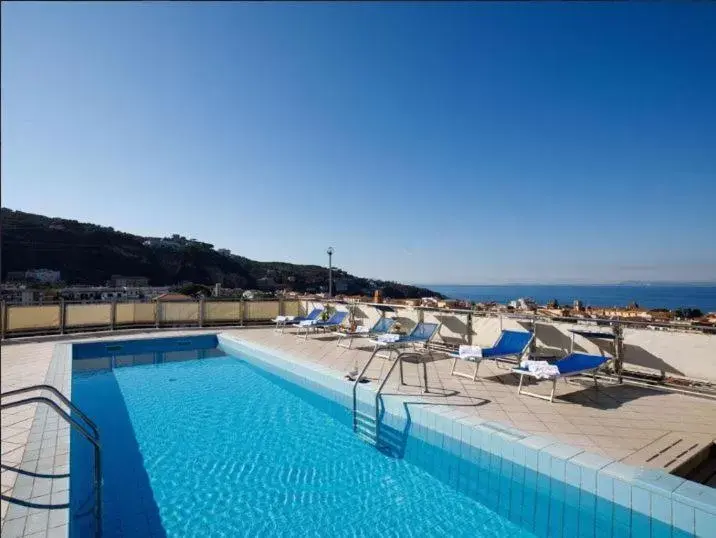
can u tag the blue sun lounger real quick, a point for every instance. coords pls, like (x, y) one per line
(510, 344)
(282, 321)
(572, 364)
(421, 334)
(382, 326)
(331, 323)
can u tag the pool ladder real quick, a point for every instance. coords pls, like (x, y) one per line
(91, 433)
(367, 426)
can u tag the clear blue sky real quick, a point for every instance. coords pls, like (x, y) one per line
(465, 143)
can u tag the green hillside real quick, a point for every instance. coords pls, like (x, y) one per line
(90, 254)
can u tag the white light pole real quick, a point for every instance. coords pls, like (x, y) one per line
(330, 271)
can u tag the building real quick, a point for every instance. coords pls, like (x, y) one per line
(172, 297)
(119, 281)
(48, 276)
(523, 304)
(15, 276)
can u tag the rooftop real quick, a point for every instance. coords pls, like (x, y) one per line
(631, 424)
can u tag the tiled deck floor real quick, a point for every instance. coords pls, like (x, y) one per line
(615, 421)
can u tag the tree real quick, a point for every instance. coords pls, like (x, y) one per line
(688, 313)
(195, 289)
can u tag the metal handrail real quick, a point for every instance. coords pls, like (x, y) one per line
(377, 397)
(94, 439)
(397, 360)
(355, 387)
(62, 398)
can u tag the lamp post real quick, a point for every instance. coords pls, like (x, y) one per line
(330, 271)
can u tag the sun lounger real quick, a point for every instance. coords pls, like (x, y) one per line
(510, 345)
(421, 334)
(573, 364)
(382, 326)
(312, 325)
(282, 321)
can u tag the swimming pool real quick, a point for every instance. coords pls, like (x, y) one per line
(207, 440)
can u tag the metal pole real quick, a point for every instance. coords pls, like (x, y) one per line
(330, 271)
(330, 275)
(3, 321)
(113, 314)
(618, 352)
(201, 311)
(62, 316)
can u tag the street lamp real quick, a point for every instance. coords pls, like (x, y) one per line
(330, 271)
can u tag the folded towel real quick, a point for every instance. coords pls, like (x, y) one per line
(540, 369)
(279, 318)
(388, 338)
(470, 351)
(306, 323)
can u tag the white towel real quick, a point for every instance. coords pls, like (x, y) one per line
(540, 369)
(306, 323)
(470, 351)
(279, 318)
(388, 338)
(361, 329)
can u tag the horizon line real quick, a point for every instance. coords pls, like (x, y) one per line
(619, 283)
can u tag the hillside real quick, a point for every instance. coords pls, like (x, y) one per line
(90, 254)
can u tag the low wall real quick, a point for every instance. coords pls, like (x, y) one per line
(665, 353)
(22, 320)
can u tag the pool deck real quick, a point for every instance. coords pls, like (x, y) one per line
(626, 423)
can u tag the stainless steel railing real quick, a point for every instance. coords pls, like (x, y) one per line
(92, 436)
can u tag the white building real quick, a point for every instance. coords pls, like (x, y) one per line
(48, 276)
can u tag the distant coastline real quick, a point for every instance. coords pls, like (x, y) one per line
(646, 295)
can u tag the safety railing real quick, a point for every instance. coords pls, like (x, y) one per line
(91, 433)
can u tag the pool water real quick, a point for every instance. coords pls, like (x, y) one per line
(210, 445)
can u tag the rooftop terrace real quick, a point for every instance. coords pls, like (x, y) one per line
(638, 426)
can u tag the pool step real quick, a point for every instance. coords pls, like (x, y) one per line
(390, 440)
(365, 427)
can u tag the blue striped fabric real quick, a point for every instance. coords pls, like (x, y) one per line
(579, 362)
(382, 326)
(336, 319)
(509, 343)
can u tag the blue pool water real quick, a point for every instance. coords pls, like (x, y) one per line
(197, 443)
(200, 443)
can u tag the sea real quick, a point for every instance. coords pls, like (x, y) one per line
(650, 296)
